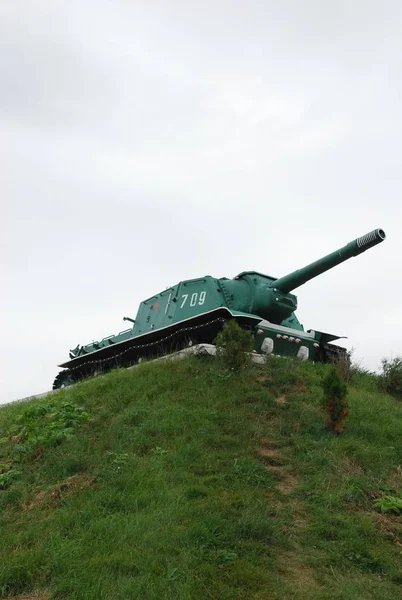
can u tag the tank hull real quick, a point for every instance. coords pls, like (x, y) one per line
(200, 329)
(268, 338)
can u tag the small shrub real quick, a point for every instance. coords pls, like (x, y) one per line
(234, 346)
(335, 401)
(391, 375)
(389, 504)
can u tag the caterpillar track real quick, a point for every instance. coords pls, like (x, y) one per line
(132, 351)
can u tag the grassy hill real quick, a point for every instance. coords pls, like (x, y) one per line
(176, 480)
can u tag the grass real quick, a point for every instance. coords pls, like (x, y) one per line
(180, 481)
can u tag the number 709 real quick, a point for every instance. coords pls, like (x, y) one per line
(195, 298)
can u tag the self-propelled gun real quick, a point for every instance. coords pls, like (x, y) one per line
(194, 311)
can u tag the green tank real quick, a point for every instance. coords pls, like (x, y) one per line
(194, 311)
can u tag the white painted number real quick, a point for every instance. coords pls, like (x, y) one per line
(195, 299)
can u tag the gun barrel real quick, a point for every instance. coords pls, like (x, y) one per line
(297, 278)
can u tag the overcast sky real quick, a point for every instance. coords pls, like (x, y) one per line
(142, 143)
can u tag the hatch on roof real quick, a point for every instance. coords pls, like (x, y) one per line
(240, 275)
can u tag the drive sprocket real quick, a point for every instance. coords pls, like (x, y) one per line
(63, 379)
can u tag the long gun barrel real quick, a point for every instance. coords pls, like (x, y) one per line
(297, 278)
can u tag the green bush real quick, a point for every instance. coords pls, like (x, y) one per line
(234, 346)
(335, 401)
(391, 375)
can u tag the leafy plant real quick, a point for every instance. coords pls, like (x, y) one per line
(118, 460)
(392, 375)
(389, 504)
(226, 557)
(335, 401)
(158, 451)
(234, 346)
(7, 475)
(45, 424)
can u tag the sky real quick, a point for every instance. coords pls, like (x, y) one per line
(143, 143)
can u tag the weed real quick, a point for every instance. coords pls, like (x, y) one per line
(158, 451)
(225, 557)
(7, 475)
(389, 504)
(43, 425)
(118, 460)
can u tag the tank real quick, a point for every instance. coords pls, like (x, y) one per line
(195, 310)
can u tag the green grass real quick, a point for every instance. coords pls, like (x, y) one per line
(180, 481)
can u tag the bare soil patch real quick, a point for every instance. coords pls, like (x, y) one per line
(281, 399)
(293, 562)
(296, 570)
(54, 495)
(271, 456)
(391, 526)
(276, 463)
(263, 378)
(287, 483)
(351, 467)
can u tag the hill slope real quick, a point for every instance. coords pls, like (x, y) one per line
(177, 481)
